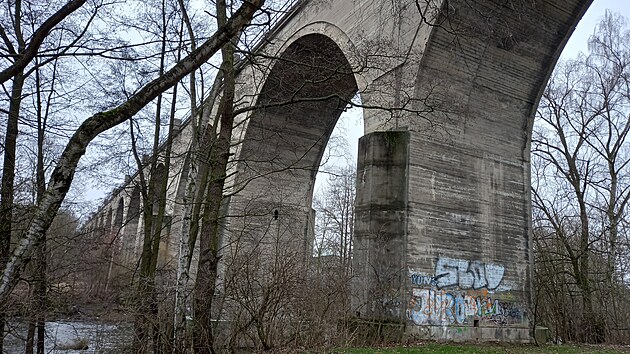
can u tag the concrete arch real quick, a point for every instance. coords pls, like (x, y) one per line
(133, 220)
(374, 37)
(341, 39)
(157, 176)
(365, 75)
(306, 90)
(445, 189)
(120, 209)
(109, 219)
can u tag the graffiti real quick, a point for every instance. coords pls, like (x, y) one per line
(433, 304)
(442, 298)
(439, 307)
(467, 275)
(418, 278)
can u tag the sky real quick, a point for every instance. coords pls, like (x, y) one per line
(578, 41)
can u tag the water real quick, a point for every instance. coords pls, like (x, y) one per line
(67, 336)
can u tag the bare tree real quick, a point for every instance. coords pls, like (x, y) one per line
(22, 41)
(63, 174)
(581, 184)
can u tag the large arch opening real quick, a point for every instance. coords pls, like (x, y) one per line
(306, 91)
(270, 230)
(335, 190)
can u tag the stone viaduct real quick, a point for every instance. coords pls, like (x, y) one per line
(449, 89)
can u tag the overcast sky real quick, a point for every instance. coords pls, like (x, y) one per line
(578, 41)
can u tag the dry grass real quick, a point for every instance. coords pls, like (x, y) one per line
(483, 348)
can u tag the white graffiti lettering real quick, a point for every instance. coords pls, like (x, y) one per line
(467, 275)
(418, 278)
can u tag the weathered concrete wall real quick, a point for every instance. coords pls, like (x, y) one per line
(468, 249)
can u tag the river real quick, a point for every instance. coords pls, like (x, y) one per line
(69, 336)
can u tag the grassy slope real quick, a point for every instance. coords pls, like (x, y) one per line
(490, 349)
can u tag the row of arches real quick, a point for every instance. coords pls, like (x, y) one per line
(118, 225)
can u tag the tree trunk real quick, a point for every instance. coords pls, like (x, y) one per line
(209, 238)
(8, 178)
(41, 286)
(196, 180)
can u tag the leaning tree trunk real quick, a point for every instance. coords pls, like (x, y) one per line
(63, 174)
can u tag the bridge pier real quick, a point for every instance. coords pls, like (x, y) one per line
(445, 260)
(380, 226)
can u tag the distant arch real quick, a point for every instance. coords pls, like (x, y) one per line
(120, 209)
(108, 219)
(131, 226)
(159, 173)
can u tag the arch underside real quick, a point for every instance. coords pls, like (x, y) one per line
(469, 208)
(306, 91)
